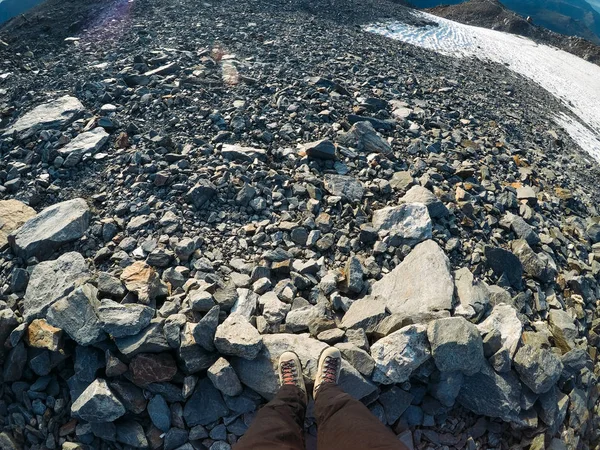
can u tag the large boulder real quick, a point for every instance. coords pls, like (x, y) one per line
(421, 287)
(85, 143)
(54, 226)
(52, 280)
(364, 314)
(397, 355)
(13, 214)
(53, 114)
(539, 368)
(407, 224)
(125, 319)
(260, 374)
(97, 404)
(504, 320)
(237, 337)
(456, 345)
(492, 394)
(77, 315)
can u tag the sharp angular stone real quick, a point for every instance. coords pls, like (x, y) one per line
(347, 187)
(395, 401)
(522, 229)
(201, 193)
(205, 406)
(204, 331)
(245, 305)
(56, 225)
(13, 214)
(363, 137)
(85, 143)
(159, 413)
(407, 224)
(357, 357)
(354, 275)
(473, 295)
(77, 315)
(563, 329)
(224, 378)
(149, 340)
(120, 320)
(98, 404)
(274, 310)
(364, 314)
(396, 356)
(239, 153)
(260, 374)
(40, 334)
(143, 280)
(421, 287)
(506, 263)
(323, 149)
(130, 432)
(537, 265)
(419, 194)
(504, 319)
(539, 368)
(51, 281)
(488, 393)
(53, 114)
(193, 357)
(237, 337)
(456, 345)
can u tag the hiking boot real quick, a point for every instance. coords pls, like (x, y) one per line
(290, 372)
(330, 365)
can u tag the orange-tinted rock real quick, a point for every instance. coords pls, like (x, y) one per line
(40, 334)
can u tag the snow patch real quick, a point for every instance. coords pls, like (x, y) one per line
(574, 81)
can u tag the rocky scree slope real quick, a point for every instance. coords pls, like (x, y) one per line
(186, 195)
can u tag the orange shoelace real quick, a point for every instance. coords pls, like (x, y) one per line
(289, 372)
(330, 370)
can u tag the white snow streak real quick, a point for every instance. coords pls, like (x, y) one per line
(574, 81)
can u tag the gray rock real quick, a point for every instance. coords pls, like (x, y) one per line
(204, 331)
(364, 314)
(53, 114)
(56, 225)
(205, 406)
(504, 319)
(8, 322)
(421, 287)
(419, 194)
(522, 229)
(224, 378)
(408, 223)
(77, 315)
(563, 329)
(456, 345)
(504, 263)
(346, 187)
(120, 320)
(51, 281)
(357, 357)
(396, 356)
(274, 310)
(537, 265)
(354, 275)
(245, 304)
(363, 137)
(201, 193)
(260, 374)
(98, 404)
(472, 294)
(237, 337)
(149, 340)
(539, 368)
(130, 432)
(394, 401)
(447, 388)
(239, 153)
(193, 357)
(488, 393)
(15, 363)
(109, 285)
(201, 301)
(159, 413)
(85, 143)
(323, 149)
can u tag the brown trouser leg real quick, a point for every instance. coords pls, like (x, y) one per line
(346, 424)
(279, 425)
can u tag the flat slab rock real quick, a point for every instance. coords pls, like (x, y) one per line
(260, 374)
(52, 280)
(54, 226)
(421, 287)
(53, 114)
(85, 143)
(408, 223)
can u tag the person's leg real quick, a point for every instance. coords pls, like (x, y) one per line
(279, 425)
(343, 422)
